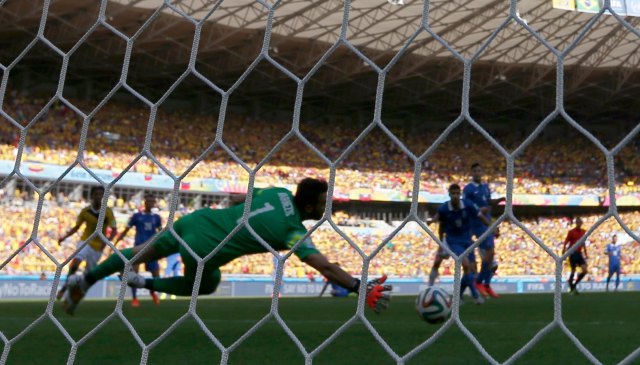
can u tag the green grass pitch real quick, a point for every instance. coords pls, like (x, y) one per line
(607, 324)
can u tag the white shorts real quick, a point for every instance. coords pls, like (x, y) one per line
(89, 255)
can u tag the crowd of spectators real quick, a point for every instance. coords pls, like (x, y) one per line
(409, 253)
(116, 135)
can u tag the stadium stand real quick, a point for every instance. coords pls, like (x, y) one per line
(408, 254)
(563, 170)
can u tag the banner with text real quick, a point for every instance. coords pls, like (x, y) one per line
(19, 289)
(163, 182)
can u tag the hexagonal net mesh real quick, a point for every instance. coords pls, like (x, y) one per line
(295, 133)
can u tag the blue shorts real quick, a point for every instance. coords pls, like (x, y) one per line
(459, 245)
(486, 244)
(615, 268)
(150, 265)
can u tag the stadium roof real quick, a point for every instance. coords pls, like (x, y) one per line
(514, 73)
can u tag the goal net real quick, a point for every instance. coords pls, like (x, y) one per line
(393, 56)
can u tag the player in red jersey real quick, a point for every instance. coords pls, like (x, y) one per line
(576, 258)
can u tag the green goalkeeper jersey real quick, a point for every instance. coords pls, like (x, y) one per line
(273, 216)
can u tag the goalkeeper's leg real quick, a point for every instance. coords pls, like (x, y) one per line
(183, 285)
(164, 246)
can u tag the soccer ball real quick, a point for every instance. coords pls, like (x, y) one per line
(433, 304)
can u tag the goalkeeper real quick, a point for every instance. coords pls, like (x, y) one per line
(276, 216)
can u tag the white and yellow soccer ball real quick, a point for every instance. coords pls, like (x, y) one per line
(433, 305)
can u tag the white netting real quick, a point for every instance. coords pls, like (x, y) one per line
(295, 133)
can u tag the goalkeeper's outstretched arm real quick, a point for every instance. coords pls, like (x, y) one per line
(329, 270)
(378, 293)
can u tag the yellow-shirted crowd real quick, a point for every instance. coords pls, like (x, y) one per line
(410, 253)
(115, 135)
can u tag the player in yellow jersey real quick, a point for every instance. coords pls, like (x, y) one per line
(88, 216)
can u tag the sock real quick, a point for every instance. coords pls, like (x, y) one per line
(485, 273)
(463, 284)
(488, 275)
(433, 276)
(582, 275)
(109, 266)
(617, 280)
(608, 280)
(481, 274)
(177, 285)
(72, 270)
(474, 291)
(134, 293)
(571, 279)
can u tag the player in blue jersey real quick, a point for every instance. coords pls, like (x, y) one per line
(613, 251)
(456, 218)
(147, 224)
(480, 194)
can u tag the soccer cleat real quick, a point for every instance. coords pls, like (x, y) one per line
(135, 303)
(490, 292)
(76, 289)
(155, 298)
(478, 300)
(481, 289)
(60, 293)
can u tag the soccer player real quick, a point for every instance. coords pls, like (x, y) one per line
(613, 251)
(275, 216)
(455, 217)
(439, 257)
(576, 258)
(336, 290)
(88, 216)
(479, 193)
(147, 224)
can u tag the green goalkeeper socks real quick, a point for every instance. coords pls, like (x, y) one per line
(183, 285)
(177, 285)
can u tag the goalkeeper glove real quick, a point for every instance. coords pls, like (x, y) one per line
(378, 294)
